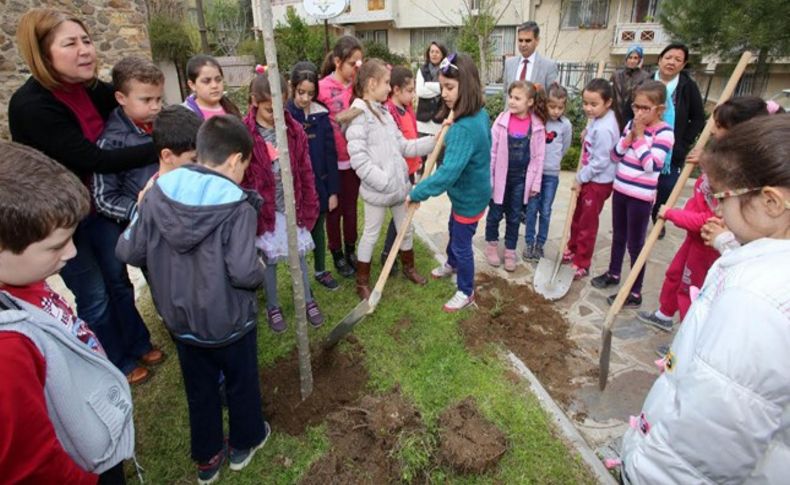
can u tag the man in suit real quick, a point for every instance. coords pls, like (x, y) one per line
(529, 65)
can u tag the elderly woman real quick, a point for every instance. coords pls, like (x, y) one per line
(624, 81)
(684, 111)
(428, 91)
(61, 110)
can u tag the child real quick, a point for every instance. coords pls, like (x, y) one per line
(314, 118)
(559, 134)
(377, 148)
(594, 180)
(400, 105)
(518, 147)
(195, 231)
(175, 136)
(640, 153)
(718, 412)
(55, 375)
(466, 166)
(264, 177)
(139, 87)
(205, 80)
(692, 260)
(334, 91)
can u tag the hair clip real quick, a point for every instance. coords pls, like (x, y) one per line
(260, 68)
(358, 63)
(772, 106)
(447, 63)
(389, 66)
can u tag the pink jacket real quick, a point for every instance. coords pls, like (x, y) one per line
(499, 157)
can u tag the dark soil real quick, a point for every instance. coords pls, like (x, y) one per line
(364, 440)
(339, 378)
(468, 442)
(529, 326)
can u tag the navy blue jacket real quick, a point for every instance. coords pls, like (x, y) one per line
(323, 154)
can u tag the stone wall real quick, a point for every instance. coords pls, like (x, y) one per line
(118, 27)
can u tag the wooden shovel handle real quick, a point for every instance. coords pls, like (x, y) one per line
(673, 197)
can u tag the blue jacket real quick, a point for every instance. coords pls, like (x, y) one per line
(323, 154)
(115, 194)
(466, 170)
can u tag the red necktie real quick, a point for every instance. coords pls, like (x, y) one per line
(523, 75)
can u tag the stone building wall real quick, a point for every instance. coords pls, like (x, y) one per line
(118, 27)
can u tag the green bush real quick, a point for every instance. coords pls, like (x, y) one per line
(381, 51)
(571, 158)
(574, 113)
(254, 48)
(170, 40)
(298, 41)
(495, 104)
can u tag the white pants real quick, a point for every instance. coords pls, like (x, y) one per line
(374, 219)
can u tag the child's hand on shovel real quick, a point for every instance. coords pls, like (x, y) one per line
(410, 202)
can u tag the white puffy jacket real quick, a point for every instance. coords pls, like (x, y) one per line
(377, 147)
(720, 412)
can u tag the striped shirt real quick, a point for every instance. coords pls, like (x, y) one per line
(639, 164)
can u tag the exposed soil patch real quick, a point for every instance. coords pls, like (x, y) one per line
(529, 326)
(469, 443)
(339, 378)
(403, 325)
(364, 440)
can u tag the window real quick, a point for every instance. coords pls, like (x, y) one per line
(375, 4)
(421, 38)
(646, 11)
(378, 36)
(585, 14)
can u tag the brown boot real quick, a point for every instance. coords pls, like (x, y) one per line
(363, 280)
(409, 271)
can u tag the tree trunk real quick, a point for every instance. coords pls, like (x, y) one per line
(278, 105)
(201, 20)
(481, 46)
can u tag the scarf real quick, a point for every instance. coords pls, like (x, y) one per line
(669, 115)
(434, 70)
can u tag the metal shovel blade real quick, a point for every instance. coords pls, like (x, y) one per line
(347, 324)
(552, 288)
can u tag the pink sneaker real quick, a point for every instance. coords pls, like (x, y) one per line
(492, 254)
(510, 259)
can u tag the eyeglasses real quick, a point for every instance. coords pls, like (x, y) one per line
(726, 194)
(447, 63)
(640, 107)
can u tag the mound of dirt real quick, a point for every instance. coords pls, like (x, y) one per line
(469, 443)
(529, 326)
(363, 438)
(338, 379)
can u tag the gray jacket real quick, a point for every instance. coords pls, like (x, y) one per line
(88, 398)
(377, 147)
(195, 232)
(544, 72)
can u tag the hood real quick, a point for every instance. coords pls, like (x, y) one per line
(756, 250)
(190, 202)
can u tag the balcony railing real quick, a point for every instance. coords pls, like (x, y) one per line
(651, 36)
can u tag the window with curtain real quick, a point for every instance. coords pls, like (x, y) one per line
(585, 14)
(375, 4)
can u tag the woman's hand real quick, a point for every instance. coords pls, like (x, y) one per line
(332, 202)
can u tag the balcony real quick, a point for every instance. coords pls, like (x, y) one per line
(650, 36)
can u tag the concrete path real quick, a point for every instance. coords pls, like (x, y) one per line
(600, 417)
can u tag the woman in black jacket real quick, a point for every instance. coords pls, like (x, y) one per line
(686, 114)
(61, 110)
(428, 91)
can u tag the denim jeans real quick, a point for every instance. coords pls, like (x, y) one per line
(511, 207)
(541, 204)
(201, 368)
(104, 294)
(460, 255)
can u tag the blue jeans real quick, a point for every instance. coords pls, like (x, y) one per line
(541, 204)
(460, 255)
(511, 207)
(104, 294)
(201, 368)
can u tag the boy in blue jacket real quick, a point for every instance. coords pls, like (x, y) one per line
(195, 230)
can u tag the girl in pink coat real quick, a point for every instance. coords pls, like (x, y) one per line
(518, 146)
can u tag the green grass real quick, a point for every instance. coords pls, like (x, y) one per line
(429, 363)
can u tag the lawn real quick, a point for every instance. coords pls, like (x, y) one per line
(427, 361)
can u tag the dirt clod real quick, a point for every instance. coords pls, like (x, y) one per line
(469, 443)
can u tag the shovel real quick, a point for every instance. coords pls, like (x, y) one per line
(366, 307)
(622, 294)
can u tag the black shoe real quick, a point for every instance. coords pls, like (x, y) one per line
(395, 267)
(633, 301)
(605, 281)
(351, 257)
(342, 266)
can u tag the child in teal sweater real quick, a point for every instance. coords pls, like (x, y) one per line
(464, 174)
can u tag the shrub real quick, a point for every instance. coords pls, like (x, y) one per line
(381, 51)
(495, 104)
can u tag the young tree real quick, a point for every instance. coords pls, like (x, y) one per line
(480, 18)
(228, 23)
(726, 30)
(298, 41)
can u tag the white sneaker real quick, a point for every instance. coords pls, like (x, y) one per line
(442, 271)
(459, 301)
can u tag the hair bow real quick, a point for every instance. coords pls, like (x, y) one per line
(260, 68)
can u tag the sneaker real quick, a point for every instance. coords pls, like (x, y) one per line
(459, 301)
(241, 458)
(342, 267)
(510, 260)
(208, 472)
(326, 280)
(276, 319)
(492, 254)
(651, 318)
(634, 300)
(442, 271)
(605, 281)
(567, 256)
(537, 252)
(579, 273)
(662, 350)
(314, 315)
(529, 252)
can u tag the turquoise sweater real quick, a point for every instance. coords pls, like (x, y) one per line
(466, 170)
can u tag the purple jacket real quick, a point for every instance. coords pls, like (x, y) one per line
(499, 157)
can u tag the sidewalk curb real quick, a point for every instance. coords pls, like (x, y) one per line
(562, 422)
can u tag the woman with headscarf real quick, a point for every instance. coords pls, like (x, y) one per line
(625, 80)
